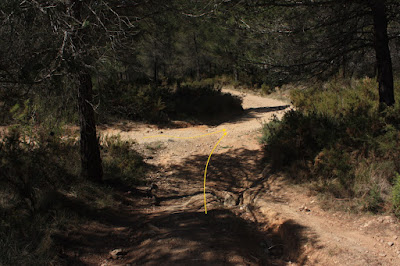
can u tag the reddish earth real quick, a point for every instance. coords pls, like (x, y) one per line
(253, 218)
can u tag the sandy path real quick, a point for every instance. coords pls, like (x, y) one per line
(258, 109)
(249, 222)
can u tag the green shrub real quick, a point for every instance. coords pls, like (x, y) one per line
(267, 89)
(204, 104)
(121, 162)
(396, 195)
(373, 201)
(298, 136)
(336, 99)
(348, 144)
(199, 83)
(127, 101)
(199, 101)
(335, 164)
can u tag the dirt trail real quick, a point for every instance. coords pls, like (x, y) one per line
(253, 218)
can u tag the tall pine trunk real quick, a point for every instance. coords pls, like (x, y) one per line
(90, 153)
(383, 58)
(196, 49)
(89, 145)
(155, 69)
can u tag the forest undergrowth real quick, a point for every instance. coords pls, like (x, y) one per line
(40, 181)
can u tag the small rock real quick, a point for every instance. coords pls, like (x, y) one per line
(117, 253)
(395, 237)
(388, 219)
(368, 223)
(247, 197)
(154, 187)
(304, 208)
(245, 208)
(390, 244)
(382, 255)
(230, 199)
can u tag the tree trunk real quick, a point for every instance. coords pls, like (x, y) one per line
(155, 70)
(344, 64)
(196, 49)
(236, 73)
(383, 58)
(90, 152)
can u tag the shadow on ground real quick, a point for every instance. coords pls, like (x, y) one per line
(252, 113)
(232, 117)
(218, 238)
(233, 170)
(160, 235)
(205, 119)
(99, 230)
(222, 231)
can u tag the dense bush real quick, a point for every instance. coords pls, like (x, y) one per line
(203, 104)
(127, 101)
(197, 101)
(345, 143)
(298, 137)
